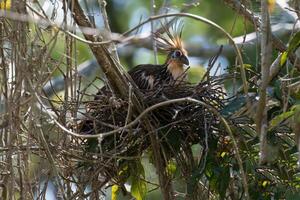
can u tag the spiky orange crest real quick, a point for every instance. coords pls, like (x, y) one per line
(171, 39)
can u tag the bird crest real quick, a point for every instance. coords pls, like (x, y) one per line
(170, 40)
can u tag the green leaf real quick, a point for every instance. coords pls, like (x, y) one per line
(293, 45)
(114, 192)
(219, 179)
(295, 42)
(279, 118)
(138, 188)
(138, 184)
(124, 172)
(283, 58)
(297, 113)
(171, 168)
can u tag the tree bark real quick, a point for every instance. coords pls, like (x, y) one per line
(266, 55)
(119, 82)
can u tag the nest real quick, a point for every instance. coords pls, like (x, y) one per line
(177, 125)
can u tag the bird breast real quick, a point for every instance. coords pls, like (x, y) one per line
(177, 71)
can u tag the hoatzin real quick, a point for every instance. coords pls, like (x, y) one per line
(149, 76)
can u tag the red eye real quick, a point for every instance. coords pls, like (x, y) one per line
(177, 54)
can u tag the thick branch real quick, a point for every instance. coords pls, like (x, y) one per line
(119, 85)
(116, 81)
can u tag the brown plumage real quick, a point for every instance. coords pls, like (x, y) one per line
(148, 76)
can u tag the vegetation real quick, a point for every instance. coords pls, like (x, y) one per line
(231, 132)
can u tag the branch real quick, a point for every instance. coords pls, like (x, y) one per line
(248, 42)
(113, 73)
(208, 22)
(119, 82)
(102, 4)
(89, 70)
(266, 56)
(255, 20)
(144, 115)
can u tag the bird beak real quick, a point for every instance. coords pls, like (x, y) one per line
(184, 60)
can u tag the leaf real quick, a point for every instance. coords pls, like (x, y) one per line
(138, 188)
(5, 5)
(124, 173)
(279, 118)
(140, 169)
(114, 192)
(192, 183)
(171, 168)
(138, 184)
(295, 42)
(293, 45)
(297, 113)
(233, 106)
(219, 179)
(283, 58)
(271, 5)
(291, 195)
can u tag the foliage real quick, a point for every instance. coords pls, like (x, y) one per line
(293, 45)
(49, 139)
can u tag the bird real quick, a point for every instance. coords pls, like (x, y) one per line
(146, 77)
(172, 71)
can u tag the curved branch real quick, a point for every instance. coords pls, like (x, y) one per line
(206, 21)
(147, 111)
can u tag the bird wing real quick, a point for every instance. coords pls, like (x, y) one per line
(146, 76)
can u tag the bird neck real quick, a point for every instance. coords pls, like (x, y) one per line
(176, 69)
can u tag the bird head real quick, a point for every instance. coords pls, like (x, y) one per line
(171, 42)
(175, 62)
(178, 56)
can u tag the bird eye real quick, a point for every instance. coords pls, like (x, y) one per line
(177, 54)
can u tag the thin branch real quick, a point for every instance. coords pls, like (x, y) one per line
(153, 41)
(136, 40)
(150, 109)
(39, 20)
(255, 20)
(266, 54)
(103, 4)
(110, 67)
(206, 21)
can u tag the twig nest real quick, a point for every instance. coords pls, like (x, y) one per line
(186, 122)
(177, 125)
